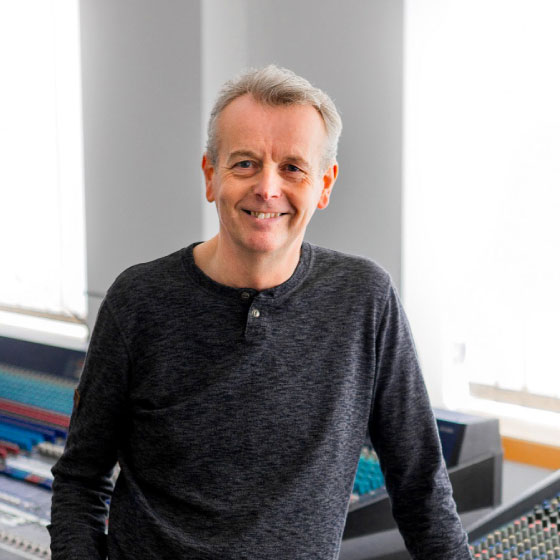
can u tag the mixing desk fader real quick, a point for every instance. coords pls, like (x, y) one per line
(37, 383)
(527, 529)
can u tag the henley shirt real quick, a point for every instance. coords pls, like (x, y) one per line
(237, 418)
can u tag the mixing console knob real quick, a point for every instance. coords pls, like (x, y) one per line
(510, 529)
(514, 539)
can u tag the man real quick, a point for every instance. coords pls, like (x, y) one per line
(234, 380)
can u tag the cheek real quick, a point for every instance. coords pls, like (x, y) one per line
(225, 194)
(310, 199)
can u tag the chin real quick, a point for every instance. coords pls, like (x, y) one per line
(263, 246)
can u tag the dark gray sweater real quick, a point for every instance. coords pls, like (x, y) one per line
(237, 418)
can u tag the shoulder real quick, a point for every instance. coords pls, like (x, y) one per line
(147, 279)
(347, 271)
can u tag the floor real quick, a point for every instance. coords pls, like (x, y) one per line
(389, 545)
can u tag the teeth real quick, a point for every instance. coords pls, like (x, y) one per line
(262, 215)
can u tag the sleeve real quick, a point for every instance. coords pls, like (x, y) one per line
(82, 476)
(404, 434)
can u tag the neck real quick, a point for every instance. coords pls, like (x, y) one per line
(239, 269)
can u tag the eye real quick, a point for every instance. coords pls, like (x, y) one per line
(292, 168)
(245, 164)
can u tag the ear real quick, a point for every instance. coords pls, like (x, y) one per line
(208, 170)
(329, 179)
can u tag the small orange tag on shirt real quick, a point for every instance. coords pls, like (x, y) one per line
(76, 399)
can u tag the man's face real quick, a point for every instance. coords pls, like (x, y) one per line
(268, 179)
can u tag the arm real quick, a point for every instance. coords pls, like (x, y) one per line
(404, 434)
(82, 476)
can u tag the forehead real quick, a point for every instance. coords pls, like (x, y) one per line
(246, 124)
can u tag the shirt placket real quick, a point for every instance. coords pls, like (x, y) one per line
(257, 319)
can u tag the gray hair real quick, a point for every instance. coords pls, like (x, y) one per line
(273, 86)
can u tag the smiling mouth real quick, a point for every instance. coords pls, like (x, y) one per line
(264, 215)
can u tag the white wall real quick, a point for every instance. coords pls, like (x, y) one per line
(150, 74)
(141, 69)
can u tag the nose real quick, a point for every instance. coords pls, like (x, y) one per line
(269, 183)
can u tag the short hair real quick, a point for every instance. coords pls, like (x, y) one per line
(275, 86)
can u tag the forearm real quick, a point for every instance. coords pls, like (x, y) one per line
(78, 516)
(425, 512)
(404, 433)
(82, 476)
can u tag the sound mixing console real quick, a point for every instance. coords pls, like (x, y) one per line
(526, 529)
(36, 394)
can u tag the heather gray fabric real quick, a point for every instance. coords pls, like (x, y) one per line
(238, 417)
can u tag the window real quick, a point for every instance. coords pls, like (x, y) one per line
(41, 185)
(482, 198)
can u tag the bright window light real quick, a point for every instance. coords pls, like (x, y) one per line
(482, 198)
(42, 247)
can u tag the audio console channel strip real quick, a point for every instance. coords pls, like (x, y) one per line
(37, 383)
(526, 529)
